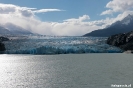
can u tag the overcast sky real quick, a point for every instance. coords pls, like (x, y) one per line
(63, 17)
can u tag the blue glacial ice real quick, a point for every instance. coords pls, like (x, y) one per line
(58, 45)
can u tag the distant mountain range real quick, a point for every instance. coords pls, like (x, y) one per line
(123, 26)
(11, 29)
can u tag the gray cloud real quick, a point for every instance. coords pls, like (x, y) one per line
(15, 10)
(26, 13)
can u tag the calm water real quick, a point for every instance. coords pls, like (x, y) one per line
(65, 71)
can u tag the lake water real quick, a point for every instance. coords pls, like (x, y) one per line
(65, 71)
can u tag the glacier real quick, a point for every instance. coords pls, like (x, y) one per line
(40, 44)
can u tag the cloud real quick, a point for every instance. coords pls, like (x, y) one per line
(26, 18)
(107, 12)
(46, 10)
(118, 6)
(7, 8)
(25, 11)
(16, 10)
(80, 19)
(27, 8)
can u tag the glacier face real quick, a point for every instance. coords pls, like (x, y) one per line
(58, 45)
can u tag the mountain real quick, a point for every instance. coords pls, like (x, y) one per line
(123, 26)
(4, 30)
(14, 29)
(11, 29)
(122, 40)
(2, 47)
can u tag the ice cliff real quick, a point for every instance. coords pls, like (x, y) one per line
(58, 45)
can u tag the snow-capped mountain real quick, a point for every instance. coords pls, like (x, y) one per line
(4, 30)
(127, 19)
(11, 29)
(16, 29)
(123, 26)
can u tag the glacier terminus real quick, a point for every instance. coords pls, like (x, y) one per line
(37, 44)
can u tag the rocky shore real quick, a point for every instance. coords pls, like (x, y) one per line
(2, 46)
(123, 41)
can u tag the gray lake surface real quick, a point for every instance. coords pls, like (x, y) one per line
(66, 71)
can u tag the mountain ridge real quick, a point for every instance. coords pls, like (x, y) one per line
(12, 29)
(123, 26)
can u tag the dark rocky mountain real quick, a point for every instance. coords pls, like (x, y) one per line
(11, 29)
(2, 46)
(123, 26)
(3, 39)
(122, 40)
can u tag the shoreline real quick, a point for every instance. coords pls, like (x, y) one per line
(128, 52)
(65, 54)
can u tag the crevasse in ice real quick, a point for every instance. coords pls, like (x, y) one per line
(58, 45)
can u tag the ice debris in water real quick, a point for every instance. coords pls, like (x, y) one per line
(58, 45)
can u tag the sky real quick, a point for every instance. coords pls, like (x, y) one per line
(63, 17)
